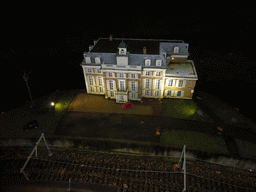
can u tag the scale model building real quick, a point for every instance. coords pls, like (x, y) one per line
(130, 69)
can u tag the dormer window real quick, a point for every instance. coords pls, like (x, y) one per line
(97, 60)
(88, 59)
(176, 49)
(147, 62)
(158, 62)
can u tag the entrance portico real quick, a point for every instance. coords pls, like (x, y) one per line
(122, 96)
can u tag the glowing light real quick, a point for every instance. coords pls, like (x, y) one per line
(52, 103)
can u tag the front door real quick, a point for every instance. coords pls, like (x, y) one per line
(122, 98)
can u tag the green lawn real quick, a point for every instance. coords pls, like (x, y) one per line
(246, 149)
(12, 122)
(183, 109)
(193, 139)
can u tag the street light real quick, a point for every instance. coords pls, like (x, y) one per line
(52, 103)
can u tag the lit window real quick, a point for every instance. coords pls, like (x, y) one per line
(88, 59)
(180, 84)
(147, 62)
(97, 60)
(147, 73)
(89, 70)
(158, 73)
(90, 80)
(147, 84)
(98, 71)
(122, 87)
(133, 86)
(157, 86)
(176, 49)
(170, 82)
(158, 62)
(111, 85)
(100, 81)
(169, 92)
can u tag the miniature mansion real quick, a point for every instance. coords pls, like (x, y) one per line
(130, 69)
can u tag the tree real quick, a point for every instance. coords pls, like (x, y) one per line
(25, 77)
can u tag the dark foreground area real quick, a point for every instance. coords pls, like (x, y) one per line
(96, 171)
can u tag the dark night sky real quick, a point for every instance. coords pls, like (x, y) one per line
(50, 41)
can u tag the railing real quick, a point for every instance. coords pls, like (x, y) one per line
(134, 67)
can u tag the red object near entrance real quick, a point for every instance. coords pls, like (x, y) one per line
(127, 105)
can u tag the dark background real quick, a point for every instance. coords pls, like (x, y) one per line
(50, 40)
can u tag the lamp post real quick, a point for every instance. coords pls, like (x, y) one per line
(52, 104)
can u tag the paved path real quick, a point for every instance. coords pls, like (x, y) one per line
(84, 102)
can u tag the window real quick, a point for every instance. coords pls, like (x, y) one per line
(122, 85)
(157, 93)
(147, 83)
(98, 71)
(180, 84)
(147, 62)
(178, 93)
(89, 70)
(111, 85)
(90, 80)
(133, 75)
(101, 89)
(158, 73)
(147, 73)
(133, 86)
(169, 93)
(91, 89)
(157, 85)
(97, 60)
(158, 62)
(100, 81)
(133, 95)
(88, 59)
(122, 50)
(121, 75)
(147, 92)
(170, 82)
(176, 49)
(111, 93)
(110, 74)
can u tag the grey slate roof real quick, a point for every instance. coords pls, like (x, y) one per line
(108, 50)
(104, 45)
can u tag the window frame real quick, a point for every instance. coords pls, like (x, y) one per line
(122, 83)
(147, 81)
(147, 62)
(133, 86)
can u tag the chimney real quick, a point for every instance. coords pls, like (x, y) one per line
(144, 50)
(110, 37)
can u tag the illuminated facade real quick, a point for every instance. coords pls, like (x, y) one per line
(130, 69)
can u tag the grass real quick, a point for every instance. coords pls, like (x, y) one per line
(12, 123)
(246, 149)
(193, 139)
(183, 109)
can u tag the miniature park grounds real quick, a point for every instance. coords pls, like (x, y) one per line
(129, 172)
(125, 171)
